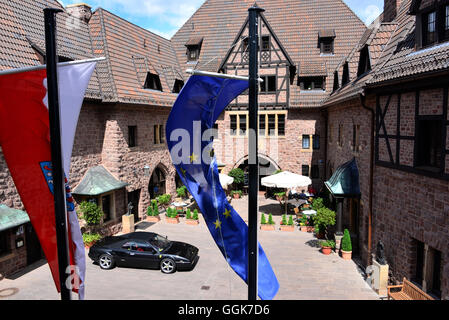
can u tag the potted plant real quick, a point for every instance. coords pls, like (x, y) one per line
(92, 214)
(90, 239)
(327, 246)
(346, 246)
(267, 225)
(182, 193)
(236, 194)
(164, 200)
(324, 218)
(287, 225)
(303, 223)
(172, 216)
(192, 219)
(153, 212)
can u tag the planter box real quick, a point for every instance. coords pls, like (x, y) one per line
(192, 222)
(287, 228)
(154, 219)
(267, 227)
(172, 220)
(304, 229)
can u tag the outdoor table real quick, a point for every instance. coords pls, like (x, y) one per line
(179, 205)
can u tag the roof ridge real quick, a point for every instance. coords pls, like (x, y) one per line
(191, 16)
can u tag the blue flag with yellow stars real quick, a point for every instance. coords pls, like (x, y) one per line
(190, 134)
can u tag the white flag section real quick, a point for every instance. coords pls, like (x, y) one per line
(73, 81)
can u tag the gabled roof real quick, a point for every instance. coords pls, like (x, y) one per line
(131, 53)
(11, 218)
(295, 23)
(22, 26)
(98, 181)
(345, 181)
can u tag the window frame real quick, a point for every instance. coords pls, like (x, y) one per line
(132, 136)
(153, 82)
(196, 49)
(266, 84)
(306, 137)
(262, 114)
(158, 136)
(302, 83)
(307, 167)
(329, 42)
(423, 142)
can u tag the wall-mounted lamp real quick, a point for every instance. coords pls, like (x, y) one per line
(146, 171)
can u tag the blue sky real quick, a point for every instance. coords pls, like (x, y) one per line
(165, 17)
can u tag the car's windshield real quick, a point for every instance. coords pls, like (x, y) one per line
(160, 242)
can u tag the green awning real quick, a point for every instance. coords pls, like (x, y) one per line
(98, 181)
(11, 218)
(345, 181)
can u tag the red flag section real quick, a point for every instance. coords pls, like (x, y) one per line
(25, 140)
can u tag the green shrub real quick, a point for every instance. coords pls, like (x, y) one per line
(238, 175)
(195, 214)
(346, 244)
(89, 238)
(328, 243)
(280, 194)
(290, 221)
(270, 219)
(150, 211)
(324, 218)
(188, 214)
(239, 192)
(164, 199)
(317, 204)
(284, 219)
(91, 213)
(263, 219)
(182, 192)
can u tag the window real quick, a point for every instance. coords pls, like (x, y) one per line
(428, 268)
(345, 76)
(159, 135)
(243, 124)
(312, 83)
(315, 172)
(4, 245)
(305, 170)
(153, 82)
(132, 136)
(193, 53)
(233, 125)
(316, 142)
(245, 44)
(364, 62)
(429, 28)
(327, 45)
(271, 125)
(262, 124)
(306, 142)
(265, 43)
(336, 83)
(429, 145)
(178, 86)
(106, 207)
(281, 125)
(268, 85)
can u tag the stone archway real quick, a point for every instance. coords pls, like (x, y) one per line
(267, 167)
(158, 182)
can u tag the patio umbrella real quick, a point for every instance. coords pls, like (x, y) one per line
(226, 180)
(286, 180)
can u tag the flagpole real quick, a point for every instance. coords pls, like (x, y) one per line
(56, 154)
(253, 189)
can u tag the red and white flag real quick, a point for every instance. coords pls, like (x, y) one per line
(25, 141)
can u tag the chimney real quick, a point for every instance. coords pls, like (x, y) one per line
(391, 8)
(80, 10)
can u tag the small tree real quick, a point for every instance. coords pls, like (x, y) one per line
(238, 175)
(324, 218)
(91, 213)
(188, 214)
(317, 204)
(263, 220)
(346, 244)
(195, 214)
(150, 211)
(290, 221)
(164, 200)
(182, 192)
(284, 219)
(270, 219)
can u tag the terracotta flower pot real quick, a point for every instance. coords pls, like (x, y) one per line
(326, 250)
(192, 222)
(154, 219)
(267, 227)
(287, 228)
(172, 220)
(346, 255)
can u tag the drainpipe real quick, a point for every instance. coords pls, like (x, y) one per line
(371, 177)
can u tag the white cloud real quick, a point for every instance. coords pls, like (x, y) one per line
(371, 13)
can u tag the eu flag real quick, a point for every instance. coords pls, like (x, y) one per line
(190, 141)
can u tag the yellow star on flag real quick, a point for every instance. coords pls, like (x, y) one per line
(227, 213)
(217, 224)
(183, 172)
(193, 158)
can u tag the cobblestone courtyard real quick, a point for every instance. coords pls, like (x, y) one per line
(304, 273)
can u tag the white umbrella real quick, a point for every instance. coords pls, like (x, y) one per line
(226, 180)
(286, 180)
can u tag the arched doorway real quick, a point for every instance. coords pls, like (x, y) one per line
(267, 167)
(157, 185)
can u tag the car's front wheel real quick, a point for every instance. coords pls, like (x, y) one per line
(106, 262)
(168, 266)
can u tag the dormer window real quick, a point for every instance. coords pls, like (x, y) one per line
(364, 62)
(312, 83)
(153, 82)
(326, 41)
(178, 86)
(345, 77)
(429, 25)
(336, 83)
(194, 48)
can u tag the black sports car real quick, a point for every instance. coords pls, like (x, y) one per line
(144, 250)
